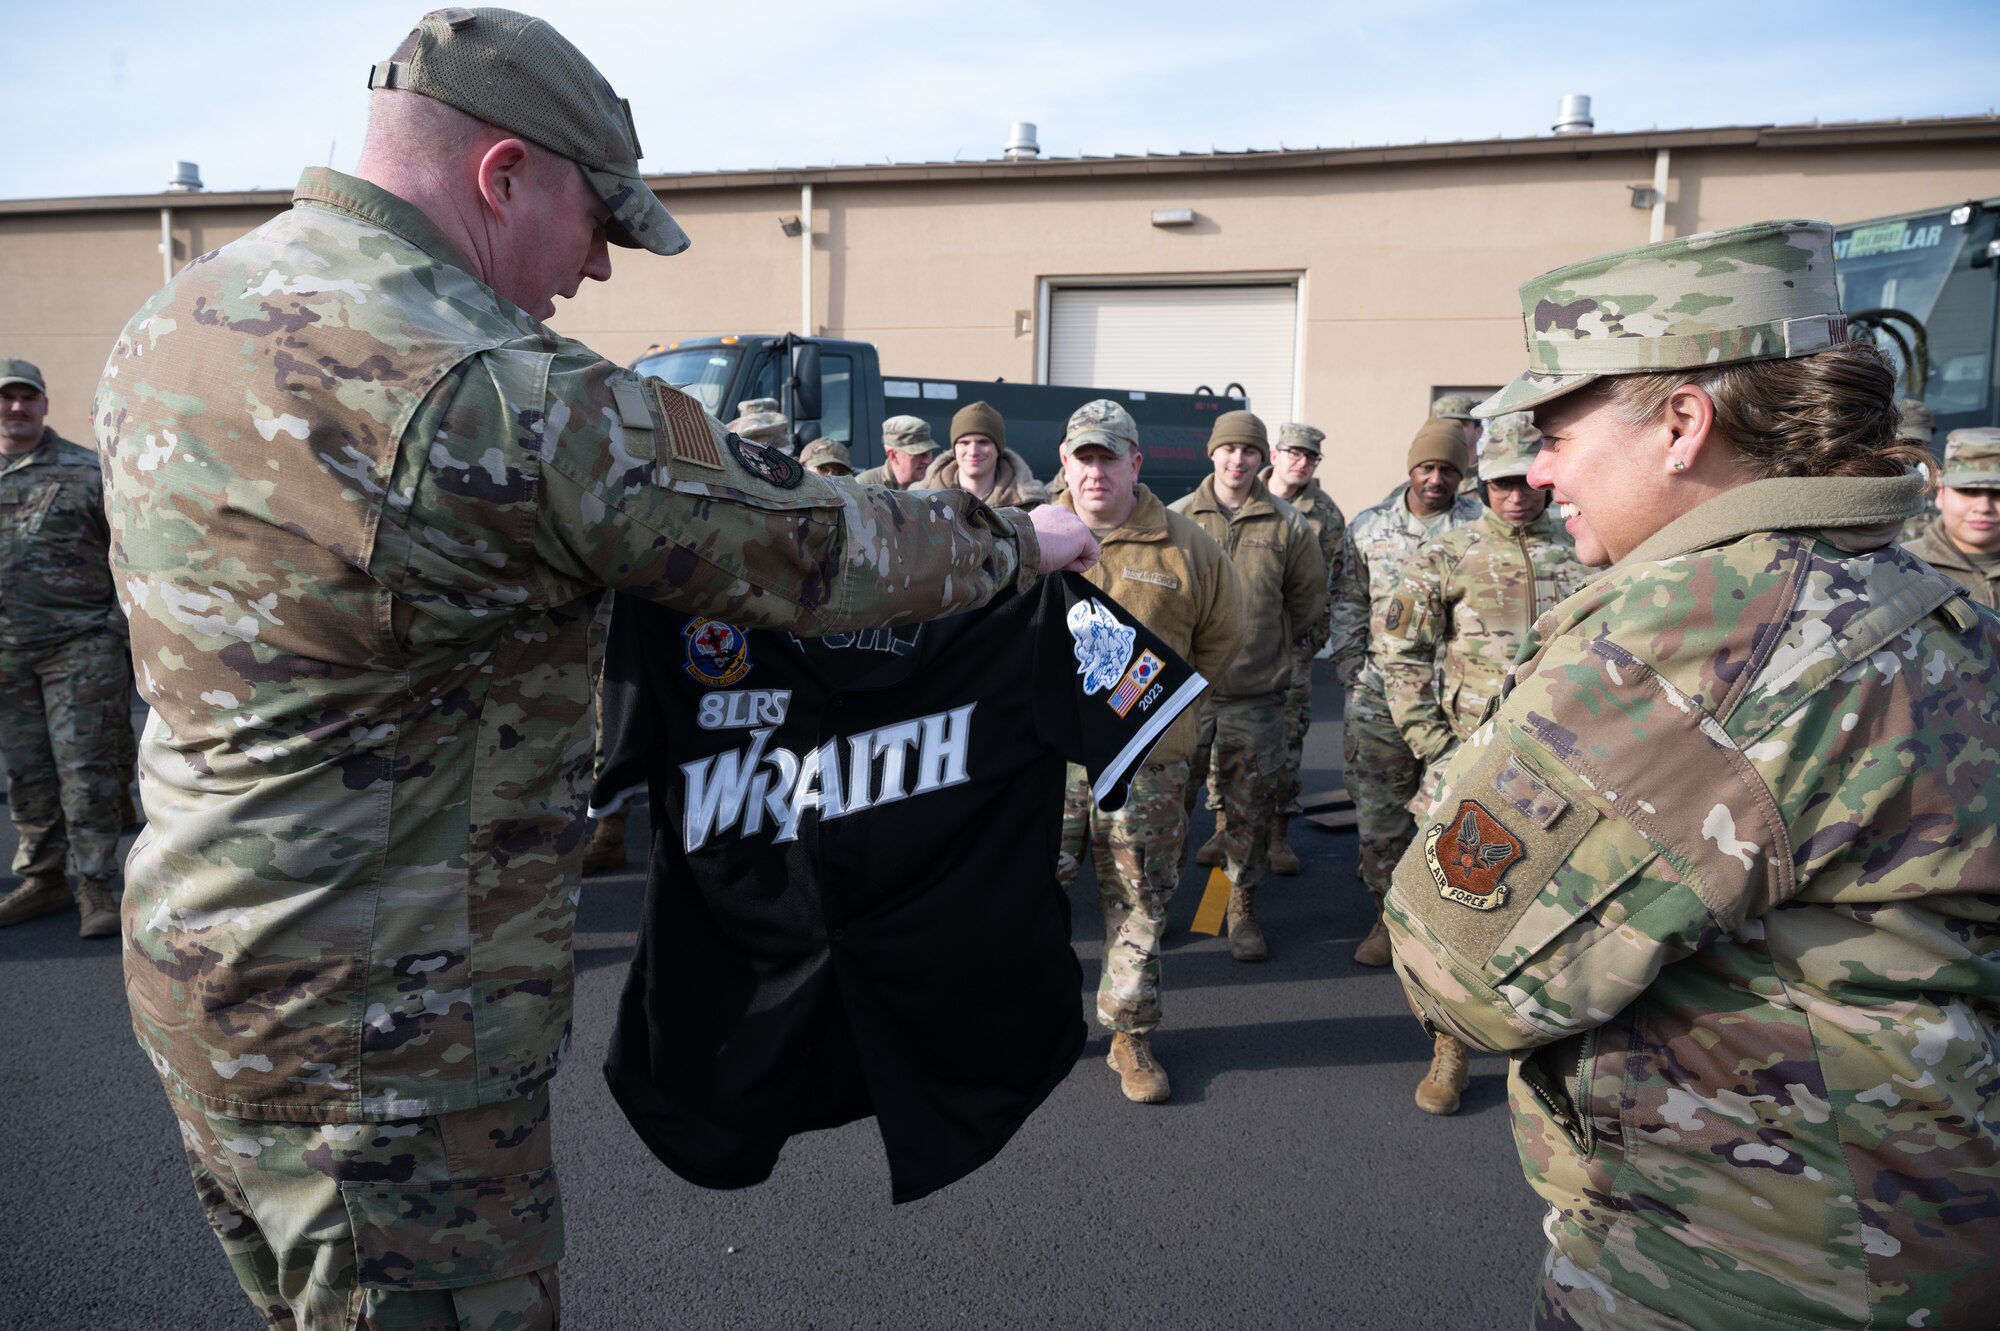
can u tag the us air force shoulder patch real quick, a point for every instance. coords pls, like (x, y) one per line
(1469, 855)
(1103, 644)
(767, 464)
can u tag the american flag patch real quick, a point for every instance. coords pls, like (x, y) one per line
(1135, 682)
(687, 424)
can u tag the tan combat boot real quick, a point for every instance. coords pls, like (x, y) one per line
(98, 909)
(1210, 854)
(34, 898)
(1374, 949)
(1439, 1091)
(607, 845)
(1246, 938)
(1143, 1080)
(1284, 860)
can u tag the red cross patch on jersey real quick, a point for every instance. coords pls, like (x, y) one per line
(1469, 853)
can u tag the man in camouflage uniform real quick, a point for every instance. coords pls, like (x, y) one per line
(907, 451)
(64, 726)
(759, 420)
(1447, 637)
(1174, 579)
(1720, 871)
(1963, 541)
(1458, 407)
(1291, 477)
(827, 457)
(365, 502)
(1241, 747)
(1382, 774)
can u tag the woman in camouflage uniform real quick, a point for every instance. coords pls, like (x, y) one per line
(1721, 869)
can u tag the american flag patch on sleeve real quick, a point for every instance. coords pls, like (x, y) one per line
(1137, 679)
(687, 423)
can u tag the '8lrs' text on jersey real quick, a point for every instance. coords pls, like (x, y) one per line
(756, 784)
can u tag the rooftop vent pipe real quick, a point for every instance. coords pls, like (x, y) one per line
(1021, 145)
(187, 179)
(1573, 116)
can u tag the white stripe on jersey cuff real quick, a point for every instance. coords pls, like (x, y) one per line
(1119, 773)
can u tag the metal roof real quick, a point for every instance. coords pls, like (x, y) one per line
(1815, 134)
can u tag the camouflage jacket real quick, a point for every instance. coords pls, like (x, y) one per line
(1935, 548)
(1276, 556)
(1330, 525)
(1173, 578)
(1722, 869)
(362, 511)
(1380, 541)
(1448, 635)
(55, 580)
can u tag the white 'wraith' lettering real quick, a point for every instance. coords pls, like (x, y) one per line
(745, 788)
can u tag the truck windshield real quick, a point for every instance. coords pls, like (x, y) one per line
(1922, 266)
(704, 373)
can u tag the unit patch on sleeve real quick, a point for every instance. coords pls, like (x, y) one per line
(1143, 675)
(1469, 854)
(717, 653)
(1103, 644)
(767, 464)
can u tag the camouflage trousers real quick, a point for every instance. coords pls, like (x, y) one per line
(446, 1223)
(66, 738)
(1569, 1298)
(1241, 753)
(1382, 776)
(1137, 854)
(1298, 720)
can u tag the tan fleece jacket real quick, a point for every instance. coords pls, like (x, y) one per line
(1014, 485)
(1276, 555)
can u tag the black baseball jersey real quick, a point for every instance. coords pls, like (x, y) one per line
(852, 906)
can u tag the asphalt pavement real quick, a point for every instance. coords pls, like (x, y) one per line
(1290, 1182)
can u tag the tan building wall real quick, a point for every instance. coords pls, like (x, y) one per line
(1407, 258)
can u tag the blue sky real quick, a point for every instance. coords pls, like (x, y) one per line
(253, 92)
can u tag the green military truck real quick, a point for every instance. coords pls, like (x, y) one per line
(835, 389)
(1926, 285)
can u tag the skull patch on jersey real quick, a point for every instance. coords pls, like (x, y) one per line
(717, 653)
(1469, 854)
(1103, 644)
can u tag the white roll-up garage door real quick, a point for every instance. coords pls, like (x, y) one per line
(1169, 339)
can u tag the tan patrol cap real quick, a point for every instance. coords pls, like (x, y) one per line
(909, 435)
(1914, 420)
(1105, 424)
(827, 452)
(22, 372)
(1765, 291)
(1972, 459)
(1511, 444)
(1453, 407)
(515, 71)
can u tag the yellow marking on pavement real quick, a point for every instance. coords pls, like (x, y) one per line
(1214, 904)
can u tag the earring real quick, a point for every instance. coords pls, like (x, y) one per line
(1679, 465)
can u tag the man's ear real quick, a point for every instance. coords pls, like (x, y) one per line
(503, 176)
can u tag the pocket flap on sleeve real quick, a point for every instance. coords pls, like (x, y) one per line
(452, 1234)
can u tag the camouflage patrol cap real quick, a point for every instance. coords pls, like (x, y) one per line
(1105, 424)
(515, 71)
(827, 452)
(1453, 407)
(22, 372)
(1305, 438)
(761, 422)
(1511, 444)
(1760, 292)
(909, 435)
(1972, 459)
(1914, 420)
